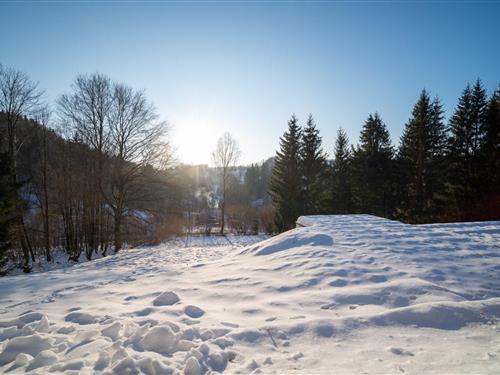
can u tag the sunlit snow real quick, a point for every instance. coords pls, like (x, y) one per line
(338, 294)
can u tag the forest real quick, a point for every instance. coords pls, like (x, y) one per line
(95, 172)
(439, 172)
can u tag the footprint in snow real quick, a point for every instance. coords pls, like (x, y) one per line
(227, 324)
(378, 278)
(338, 283)
(400, 351)
(193, 311)
(166, 299)
(144, 312)
(80, 318)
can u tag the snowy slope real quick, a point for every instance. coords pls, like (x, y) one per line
(342, 294)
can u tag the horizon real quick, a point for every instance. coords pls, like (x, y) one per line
(246, 67)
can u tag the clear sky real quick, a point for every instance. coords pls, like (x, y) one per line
(245, 67)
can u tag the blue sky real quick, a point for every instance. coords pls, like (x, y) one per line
(246, 67)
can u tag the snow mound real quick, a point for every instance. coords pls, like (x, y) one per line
(160, 339)
(32, 345)
(289, 240)
(444, 315)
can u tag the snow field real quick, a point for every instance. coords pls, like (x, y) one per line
(344, 294)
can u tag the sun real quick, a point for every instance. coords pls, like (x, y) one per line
(194, 138)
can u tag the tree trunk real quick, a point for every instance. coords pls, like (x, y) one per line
(223, 203)
(46, 199)
(118, 234)
(222, 221)
(21, 230)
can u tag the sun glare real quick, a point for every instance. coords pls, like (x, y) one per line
(194, 136)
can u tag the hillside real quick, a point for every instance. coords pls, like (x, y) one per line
(344, 294)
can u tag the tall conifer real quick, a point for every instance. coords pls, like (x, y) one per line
(467, 139)
(341, 175)
(285, 186)
(420, 159)
(373, 169)
(313, 167)
(491, 150)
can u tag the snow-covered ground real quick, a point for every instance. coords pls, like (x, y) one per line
(60, 257)
(342, 294)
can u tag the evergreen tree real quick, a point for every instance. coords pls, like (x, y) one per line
(341, 175)
(420, 162)
(313, 167)
(467, 139)
(478, 116)
(373, 170)
(491, 148)
(8, 197)
(286, 179)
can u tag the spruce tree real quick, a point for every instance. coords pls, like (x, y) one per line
(491, 150)
(286, 180)
(467, 139)
(420, 162)
(372, 169)
(313, 167)
(341, 175)
(478, 116)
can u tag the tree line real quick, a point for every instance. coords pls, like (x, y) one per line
(96, 170)
(78, 186)
(438, 172)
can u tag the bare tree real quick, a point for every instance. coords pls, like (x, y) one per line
(86, 110)
(19, 97)
(136, 140)
(225, 156)
(43, 118)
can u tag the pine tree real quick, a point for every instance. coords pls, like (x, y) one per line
(341, 175)
(372, 169)
(286, 179)
(313, 167)
(467, 139)
(420, 161)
